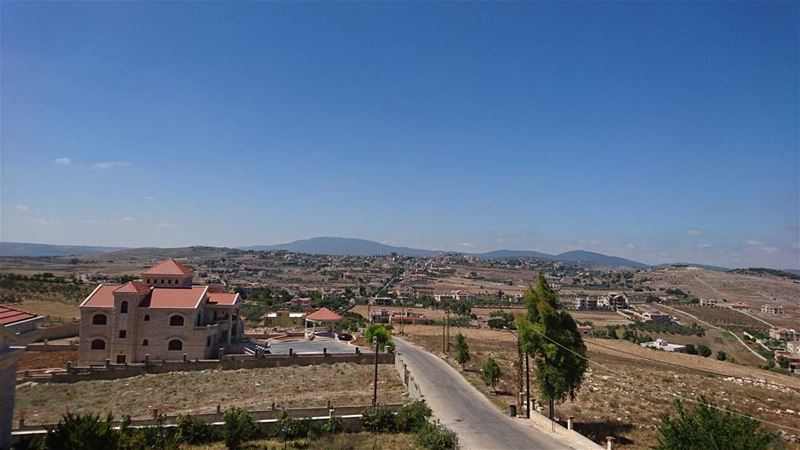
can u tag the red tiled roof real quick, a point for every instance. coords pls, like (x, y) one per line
(176, 297)
(101, 297)
(12, 315)
(324, 315)
(134, 286)
(221, 298)
(168, 267)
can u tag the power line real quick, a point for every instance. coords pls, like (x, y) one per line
(677, 396)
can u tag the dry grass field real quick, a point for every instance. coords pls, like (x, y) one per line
(354, 441)
(202, 391)
(626, 400)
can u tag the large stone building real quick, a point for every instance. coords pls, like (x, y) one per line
(162, 316)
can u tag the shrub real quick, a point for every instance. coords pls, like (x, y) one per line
(288, 427)
(703, 351)
(436, 437)
(784, 362)
(379, 420)
(78, 431)
(381, 332)
(334, 425)
(412, 417)
(491, 372)
(722, 356)
(238, 427)
(707, 427)
(462, 350)
(192, 431)
(690, 349)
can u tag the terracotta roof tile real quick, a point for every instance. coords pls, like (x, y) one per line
(219, 298)
(10, 315)
(168, 267)
(176, 297)
(101, 297)
(324, 315)
(134, 286)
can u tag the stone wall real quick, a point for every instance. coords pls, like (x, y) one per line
(114, 371)
(408, 379)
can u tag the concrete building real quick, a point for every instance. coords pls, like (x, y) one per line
(739, 306)
(17, 328)
(783, 334)
(709, 302)
(614, 301)
(22, 325)
(662, 344)
(163, 316)
(656, 316)
(771, 309)
(585, 304)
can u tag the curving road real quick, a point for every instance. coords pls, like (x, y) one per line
(460, 407)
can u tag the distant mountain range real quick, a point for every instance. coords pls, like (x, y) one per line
(355, 247)
(31, 250)
(361, 247)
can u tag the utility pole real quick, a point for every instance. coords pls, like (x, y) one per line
(375, 379)
(527, 388)
(447, 321)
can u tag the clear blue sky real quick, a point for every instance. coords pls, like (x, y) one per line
(662, 132)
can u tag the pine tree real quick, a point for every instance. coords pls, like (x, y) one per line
(462, 350)
(549, 334)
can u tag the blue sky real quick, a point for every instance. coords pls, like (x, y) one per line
(662, 132)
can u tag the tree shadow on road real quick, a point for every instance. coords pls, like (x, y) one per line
(597, 431)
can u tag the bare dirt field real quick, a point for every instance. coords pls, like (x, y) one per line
(46, 360)
(184, 392)
(626, 400)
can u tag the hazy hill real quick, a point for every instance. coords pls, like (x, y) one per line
(13, 249)
(342, 246)
(598, 259)
(511, 254)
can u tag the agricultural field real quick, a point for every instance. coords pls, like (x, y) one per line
(628, 386)
(202, 391)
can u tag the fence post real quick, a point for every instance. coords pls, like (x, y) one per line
(221, 353)
(185, 357)
(570, 420)
(69, 367)
(609, 442)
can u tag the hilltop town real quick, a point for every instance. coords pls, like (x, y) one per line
(217, 317)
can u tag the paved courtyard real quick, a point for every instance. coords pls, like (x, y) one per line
(315, 346)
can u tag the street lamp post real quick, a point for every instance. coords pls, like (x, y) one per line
(375, 379)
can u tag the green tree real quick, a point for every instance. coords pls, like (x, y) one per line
(380, 331)
(549, 334)
(708, 427)
(784, 362)
(462, 350)
(722, 356)
(435, 436)
(491, 373)
(703, 351)
(412, 416)
(82, 432)
(690, 349)
(238, 427)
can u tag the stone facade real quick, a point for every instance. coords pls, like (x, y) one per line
(162, 317)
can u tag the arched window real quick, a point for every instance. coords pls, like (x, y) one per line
(144, 343)
(175, 345)
(176, 321)
(123, 308)
(99, 319)
(147, 317)
(98, 344)
(169, 281)
(148, 281)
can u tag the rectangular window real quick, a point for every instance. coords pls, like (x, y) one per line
(122, 334)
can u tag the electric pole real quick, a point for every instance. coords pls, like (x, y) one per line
(375, 379)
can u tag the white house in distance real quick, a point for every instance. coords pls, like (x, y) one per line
(662, 344)
(772, 309)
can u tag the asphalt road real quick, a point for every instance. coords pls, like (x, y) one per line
(460, 407)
